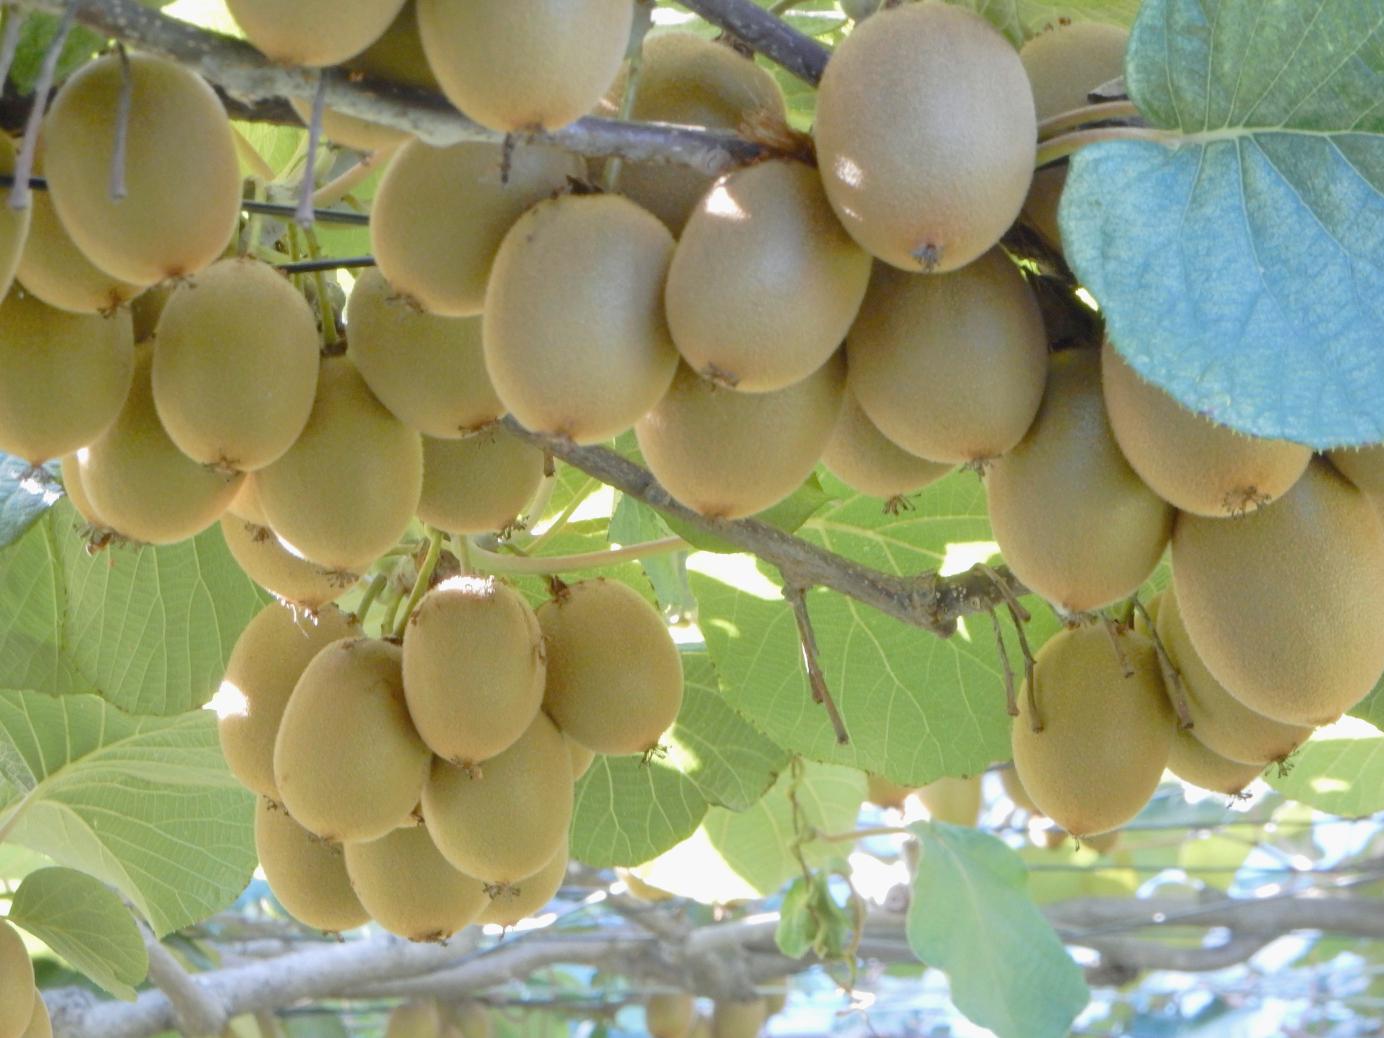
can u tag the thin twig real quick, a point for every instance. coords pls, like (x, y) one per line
(767, 34)
(1113, 630)
(1011, 698)
(499, 562)
(24, 164)
(797, 598)
(123, 103)
(1172, 677)
(305, 192)
(634, 59)
(1010, 599)
(420, 586)
(1103, 111)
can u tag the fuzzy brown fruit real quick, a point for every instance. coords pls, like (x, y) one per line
(478, 484)
(615, 678)
(306, 873)
(867, 461)
(313, 32)
(266, 662)
(669, 1015)
(15, 224)
(926, 135)
(1281, 605)
(1073, 520)
(729, 454)
(258, 552)
(76, 493)
(951, 366)
(738, 1019)
(1192, 762)
(1105, 736)
(410, 889)
(347, 760)
(1363, 466)
(576, 341)
(883, 793)
(17, 993)
(521, 899)
(40, 1024)
(956, 801)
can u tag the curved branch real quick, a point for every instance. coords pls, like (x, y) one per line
(766, 34)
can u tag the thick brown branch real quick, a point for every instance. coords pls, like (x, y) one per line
(766, 34)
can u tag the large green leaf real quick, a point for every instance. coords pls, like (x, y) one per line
(971, 917)
(916, 706)
(82, 920)
(145, 804)
(1237, 262)
(1339, 770)
(1371, 708)
(1021, 19)
(629, 811)
(33, 603)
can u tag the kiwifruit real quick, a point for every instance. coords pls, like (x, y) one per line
(729, 454)
(867, 461)
(1040, 207)
(245, 505)
(614, 673)
(920, 340)
(17, 993)
(66, 376)
(515, 901)
(926, 135)
(182, 176)
(1191, 761)
(138, 480)
(1282, 605)
(147, 307)
(765, 225)
(1014, 789)
(258, 552)
(15, 224)
(410, 889)
(1220, 721)
(582, 758)
(1072, 519)
(72, 486)
(266, 662)
(440, 214)
(1363, 466)
(313, 32)
(1106, 728)
(421, 1018)
(883, 793)
(955, 801)
(776, 997)
(395, 57)
(478, 484)
(504, 821)
(1187, 460)
(738, 1019)
(473, 668)
(235, 365)
(1103, 843)
(669, 1015)
(307, 874)
(347, 489)
(525, 64)
(469, 1020)
(691, 81)
(347, 760)
(576, 341)
(40, 1024)
(429, 371)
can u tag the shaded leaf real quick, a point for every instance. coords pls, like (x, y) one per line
(1339, 770)
(788, 515)
(628, 811)
(33, 603)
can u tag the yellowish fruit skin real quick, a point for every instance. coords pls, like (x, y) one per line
(950, 366)
(1014, 789)
(1192, 463)
(347, 760)
(428, 370)
(40, 1024)
(1066, 63)
(506, 820)
(956, 801)
(1040, 207)
(615, 679)
(728, 454)
(1363, 466)
(15, 226)
(259, 553)
(582, 758)
(17, 993)
(739, 1019)
(1194, 763)
(1073, 520)
(869, 462)
(525, 64)
(470, 1020)
(473, 668)
(235, 365)
(1220, 721)
(266, 662)
(245, 505)
(66, 376)
(440, 214)
(1282, 605)
(313, 32)
(410, 889)
(1105, 737)
(346, 491)
(307, 875)
(669, 1015)
(1103, 843)
(926, 136)
(147, 307)
(523, 898)
(764, 282)
(182, 176)
(480, 483)
(576, 339)
(883, 793)
(418, 1019)
(692, 81)
(72, 485)
(138, 480)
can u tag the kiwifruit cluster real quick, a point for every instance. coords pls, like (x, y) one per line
(23, 1013)
(427, 782)
(432, 1018)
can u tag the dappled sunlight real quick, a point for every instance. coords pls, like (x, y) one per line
(229, 702)
(962, 555)
(696, 869)
(849, 171)
(739, 571)
(721, 204)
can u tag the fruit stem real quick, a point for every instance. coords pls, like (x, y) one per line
(324, 304)
(24, 162)
(371, 593)
(335, 190)
(464, 554)
(634, 54)
(1172, 677)
(122, 126)
(1105, 110)
(565, 516)
(425, 572)
(319, 104)
(862, 834)
(816, 679)
(1011, 699)
(391, 611)
(497, 562)
(1064, 145)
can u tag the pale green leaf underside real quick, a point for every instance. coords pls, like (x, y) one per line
(1341, 776)
(628, 811)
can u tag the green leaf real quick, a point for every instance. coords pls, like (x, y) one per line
(810, 920)
(1371, 708)
(788, 515)
(971, 917)
(1339, 770)
(33, 604)
(34, 38)
(636, 523)
(145, 804)
(24, 497)
(82, 920)
(1022, 19)
(628, 811)
(1238, 263)
(796, 928)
